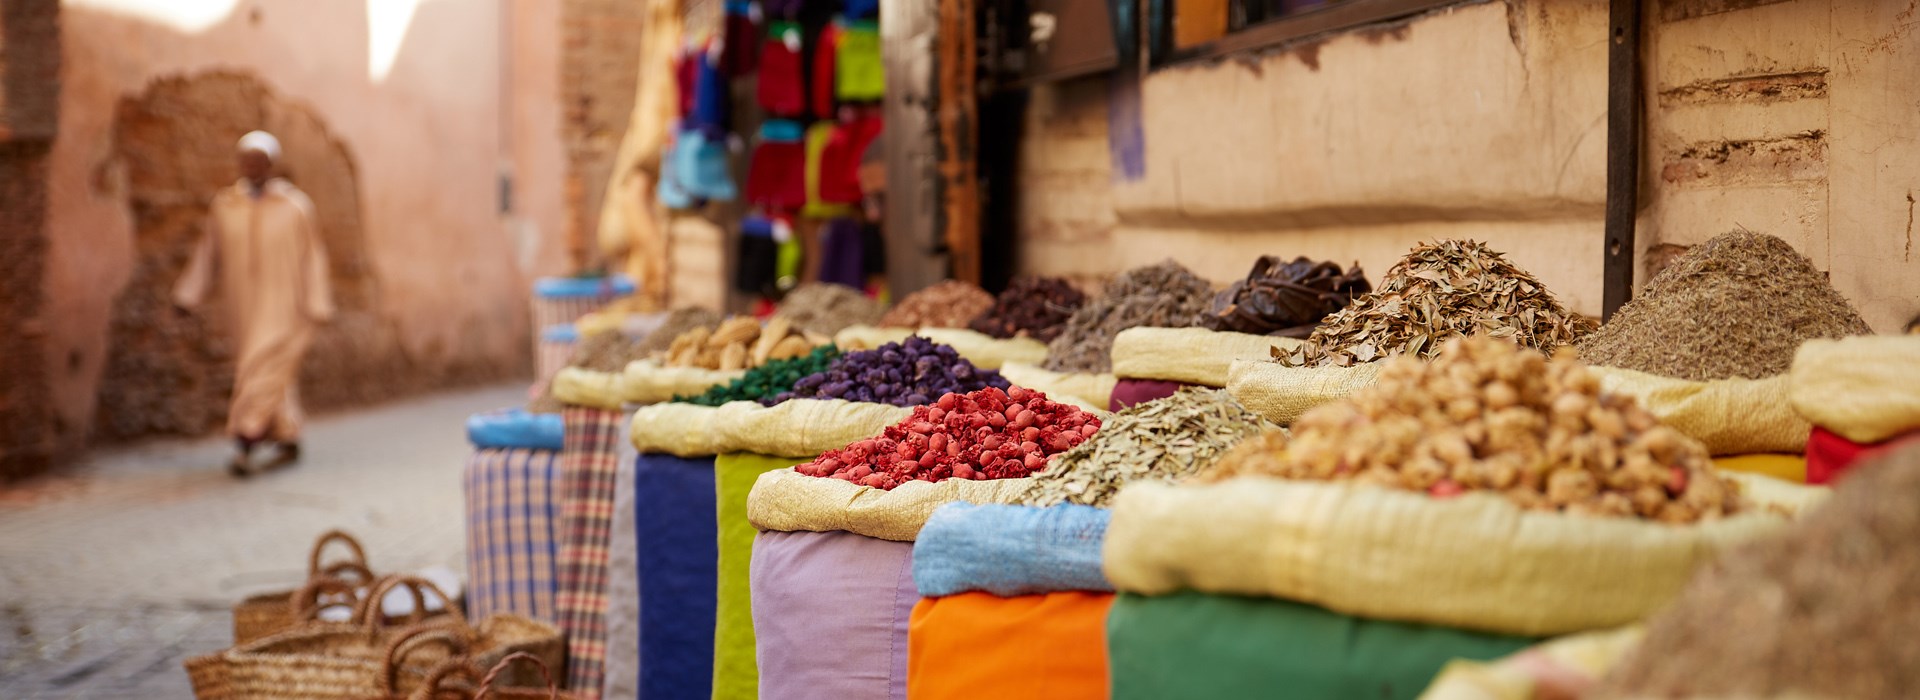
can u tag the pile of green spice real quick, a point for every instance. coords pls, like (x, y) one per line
(1164, 440)
(1438, 292)
(771, 379)
(1738, 305)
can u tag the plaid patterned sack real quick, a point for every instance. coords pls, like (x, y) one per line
(513, 518)
(589, 465)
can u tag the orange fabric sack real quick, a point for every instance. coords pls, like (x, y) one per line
(978, 645)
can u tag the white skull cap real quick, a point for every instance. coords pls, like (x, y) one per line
(261, 141)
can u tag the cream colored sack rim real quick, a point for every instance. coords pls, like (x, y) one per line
(796, 428)
(1475, 561)
(785, 500)
(584, 387)
(1190, 355)
(1864, 388)
(646, 381)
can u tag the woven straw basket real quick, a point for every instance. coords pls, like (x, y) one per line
(456, 679)
(264, 614)
(353, 661)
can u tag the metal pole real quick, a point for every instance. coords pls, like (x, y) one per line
(1623, 153)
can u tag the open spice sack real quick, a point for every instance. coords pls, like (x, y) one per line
(1494, 490)
(1088, 391)
(1190, 355)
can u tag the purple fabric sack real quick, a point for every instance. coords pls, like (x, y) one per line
(843, 253)
(830, 613)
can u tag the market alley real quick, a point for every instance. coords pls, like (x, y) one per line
(114, 571)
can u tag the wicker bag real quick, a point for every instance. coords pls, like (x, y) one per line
(348, 661)
(264, 614)
(460, 679)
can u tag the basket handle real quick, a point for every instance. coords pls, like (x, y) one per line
(411, 640)
(370, 614)
(493, 675)
(306, 602)
(430, 688)
(359, 554)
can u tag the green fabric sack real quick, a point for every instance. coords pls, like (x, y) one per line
(1195, 645)
(736, 674)
(859, 73)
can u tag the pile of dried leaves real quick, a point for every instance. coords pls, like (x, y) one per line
(1439, 291)
(1165, 295)
(1827, 609)
(1164, 440)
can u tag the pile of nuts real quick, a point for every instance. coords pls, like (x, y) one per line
(909, 373)
(739, 343)
(768, 380)
(949, 304)
(986, 434)
(1487, 415)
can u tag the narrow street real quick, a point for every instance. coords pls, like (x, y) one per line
(114, 570)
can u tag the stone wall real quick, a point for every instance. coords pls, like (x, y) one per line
(1487, 120)
(600, 66)
(30, 437)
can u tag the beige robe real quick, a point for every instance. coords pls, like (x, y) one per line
(269, 260)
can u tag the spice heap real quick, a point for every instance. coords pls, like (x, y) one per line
(1162, 440)
(986, 434)
(1285, 299)
(606, 351)
(909, 373)
(768, 380)
(678, 322)
(737, 343)
(546, 402)
(1035, 307)
(824, 308)
(949, 304)
(1159, 296)
(1826, 609)
(1437, 292)
(1737, 306)
(1487, 415)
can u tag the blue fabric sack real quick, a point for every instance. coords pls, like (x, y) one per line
(581, 287)
(1010, 550)
(513, 427)
(676, 532)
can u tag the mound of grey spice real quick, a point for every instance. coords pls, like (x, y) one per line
(1738, 305)
(824, 308)
(1438, 292)
(914, 372)
(1165, 295)
(770, 379)
(679, 321)
(607, 351)
(1164, 440)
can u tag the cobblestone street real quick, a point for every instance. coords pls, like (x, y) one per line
(114, 570)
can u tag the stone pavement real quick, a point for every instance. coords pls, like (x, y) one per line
(113, 571)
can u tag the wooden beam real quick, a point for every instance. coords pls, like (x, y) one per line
(1623, 153)
(959, 132)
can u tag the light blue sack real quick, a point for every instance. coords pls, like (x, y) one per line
(514, 428)
(1010, 550)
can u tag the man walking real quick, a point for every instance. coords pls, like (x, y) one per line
(262, 242)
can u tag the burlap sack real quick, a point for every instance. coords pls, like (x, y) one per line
(1729, 416)
(788, 501)
(648, 382)
(861, 337)
(1281, 394)
(1587, 656)
(1189, 355)
(797, 428)
(985, 351)
(1474, 562)
(1865, 388)
(1089, 392)
(585, 387)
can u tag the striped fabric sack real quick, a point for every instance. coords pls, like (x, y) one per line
(555, 347)
(513, 518)
(590, 466)
(558, 300)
